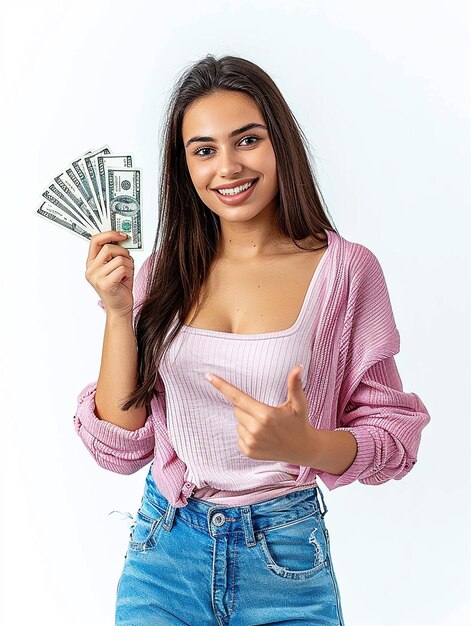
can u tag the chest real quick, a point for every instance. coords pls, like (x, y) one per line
(258, 297)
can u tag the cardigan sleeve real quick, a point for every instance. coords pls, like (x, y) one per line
(115, 448)
(386, 422)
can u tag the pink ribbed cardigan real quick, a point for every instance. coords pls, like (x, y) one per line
(352, 384)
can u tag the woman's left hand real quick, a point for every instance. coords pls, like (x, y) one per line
(274, 433)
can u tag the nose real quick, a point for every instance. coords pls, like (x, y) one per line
(228, 163)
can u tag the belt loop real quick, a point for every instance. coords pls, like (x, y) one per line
(246, 514)
(324, 506)
(169, 516)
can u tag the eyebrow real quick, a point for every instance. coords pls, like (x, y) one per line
(235, 132)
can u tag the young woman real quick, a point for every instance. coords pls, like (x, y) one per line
(247, 282)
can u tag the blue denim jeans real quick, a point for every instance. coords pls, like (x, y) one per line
(206, 563)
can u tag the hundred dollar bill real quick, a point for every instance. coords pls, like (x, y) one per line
(81, 173)
(71, 186)
(66, 207)
(123, 196)
(77, 176)
(94, 183)
(75, 198)
(49, 211)
(110, 160)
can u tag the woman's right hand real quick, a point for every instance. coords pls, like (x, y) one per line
(110, 271)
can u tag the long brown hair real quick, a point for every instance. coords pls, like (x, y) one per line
(188, 232)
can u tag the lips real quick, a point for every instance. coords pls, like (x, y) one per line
(238, 198)
(236, 184)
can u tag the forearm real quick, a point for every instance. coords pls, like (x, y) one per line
(118, 375)
(330, 450)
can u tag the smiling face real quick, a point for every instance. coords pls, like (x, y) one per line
(216, 158)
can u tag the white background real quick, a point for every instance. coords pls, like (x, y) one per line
(382, 91)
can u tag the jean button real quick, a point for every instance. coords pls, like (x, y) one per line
(219, 519)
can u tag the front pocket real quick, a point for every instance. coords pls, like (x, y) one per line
(144, 533)
(296, 549)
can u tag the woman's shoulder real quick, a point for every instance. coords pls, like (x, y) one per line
(357, 257)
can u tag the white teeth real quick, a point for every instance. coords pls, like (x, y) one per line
(235, 190)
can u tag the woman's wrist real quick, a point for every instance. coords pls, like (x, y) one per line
(331, 451)
(118, 319)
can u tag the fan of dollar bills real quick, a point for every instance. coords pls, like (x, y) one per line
(98, 191)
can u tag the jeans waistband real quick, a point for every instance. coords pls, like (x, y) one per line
(219, 519)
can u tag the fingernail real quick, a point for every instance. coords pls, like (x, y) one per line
(300, 373)
(208, 377)
(123, 234)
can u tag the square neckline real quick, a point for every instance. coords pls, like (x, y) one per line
(278, 333)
